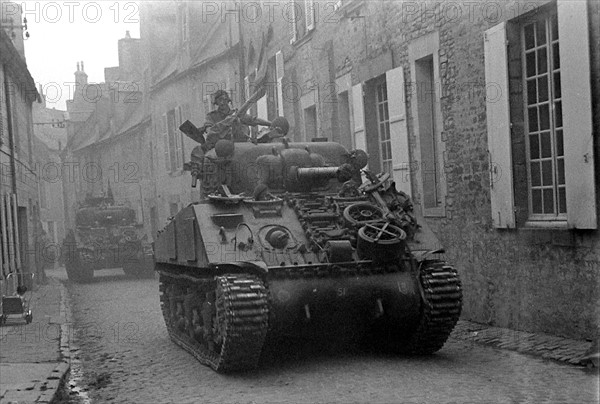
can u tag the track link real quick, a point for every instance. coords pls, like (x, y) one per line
(441, 307)
(237, 308)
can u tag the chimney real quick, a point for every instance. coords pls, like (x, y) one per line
(80, 80)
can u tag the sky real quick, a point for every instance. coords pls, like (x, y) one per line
(63, 33)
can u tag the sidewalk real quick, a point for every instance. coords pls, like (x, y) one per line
(34, 357)
(547, 346)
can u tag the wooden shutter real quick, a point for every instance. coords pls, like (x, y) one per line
(165, 135)
(498, 127)
(279, 69)
(573, 39)
(179, 119)
(310, 14)
(246, 88)
(4, 232)
(358, 108)
(398, 129)
(10, 243)
(17, 236)
(262, 107)
(293, 23)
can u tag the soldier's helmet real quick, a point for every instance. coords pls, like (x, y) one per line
(220, 94)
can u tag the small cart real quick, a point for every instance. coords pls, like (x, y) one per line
(16, 304)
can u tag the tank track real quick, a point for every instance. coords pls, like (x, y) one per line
(441, 306)
(239, 318)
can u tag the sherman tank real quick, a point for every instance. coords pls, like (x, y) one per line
(106, 235)
(299, 239)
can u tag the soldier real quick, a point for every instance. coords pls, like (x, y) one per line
(222, 123)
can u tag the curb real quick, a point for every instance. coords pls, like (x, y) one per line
(546, 346)
(65, 347)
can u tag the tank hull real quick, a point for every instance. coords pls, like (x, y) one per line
(286, 243)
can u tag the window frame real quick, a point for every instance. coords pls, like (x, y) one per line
(547, 16)
(385, 145)
(427, 46)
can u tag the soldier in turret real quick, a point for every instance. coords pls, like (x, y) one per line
(223, 122)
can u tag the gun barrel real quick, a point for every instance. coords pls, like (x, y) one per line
(316, 173)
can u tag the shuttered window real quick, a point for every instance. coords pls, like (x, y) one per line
(556, 105)
(309, 9)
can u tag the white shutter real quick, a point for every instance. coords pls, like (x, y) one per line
(398, 129)
(358, 107)
(10, 231)
(17, 234)
(279, 69)
(498, 127)
(310, 14)
(4, 232)
(165, 135)
(179, 119)
(573, 39)
(293, 28)
(262, 107)
(246, 87)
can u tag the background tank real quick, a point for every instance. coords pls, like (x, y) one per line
(289, 240)
(106, 236)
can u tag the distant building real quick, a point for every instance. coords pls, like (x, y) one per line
(19, 208)
(109, 149)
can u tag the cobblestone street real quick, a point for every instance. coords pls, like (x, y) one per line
(121, 353)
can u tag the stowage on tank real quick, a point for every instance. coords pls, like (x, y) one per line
(299, 239)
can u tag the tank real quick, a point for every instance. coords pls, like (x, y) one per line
(299, 239)
(106, 235)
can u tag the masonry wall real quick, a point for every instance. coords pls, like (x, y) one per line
(533, 280)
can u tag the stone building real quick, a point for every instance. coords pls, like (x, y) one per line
(50, 130)
(487, 113)
(19, 208)
(189, 55)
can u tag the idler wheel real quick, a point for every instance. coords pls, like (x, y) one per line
(361, 213)
(380, 241)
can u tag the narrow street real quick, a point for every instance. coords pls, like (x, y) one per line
(122, 354)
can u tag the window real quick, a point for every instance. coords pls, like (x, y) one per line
(383, 126)
(344, 119)
(302, 18)
(543, 118)
(378, 117)
(430, 170)
(540, 138)
(426, 111)
(310, 122)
